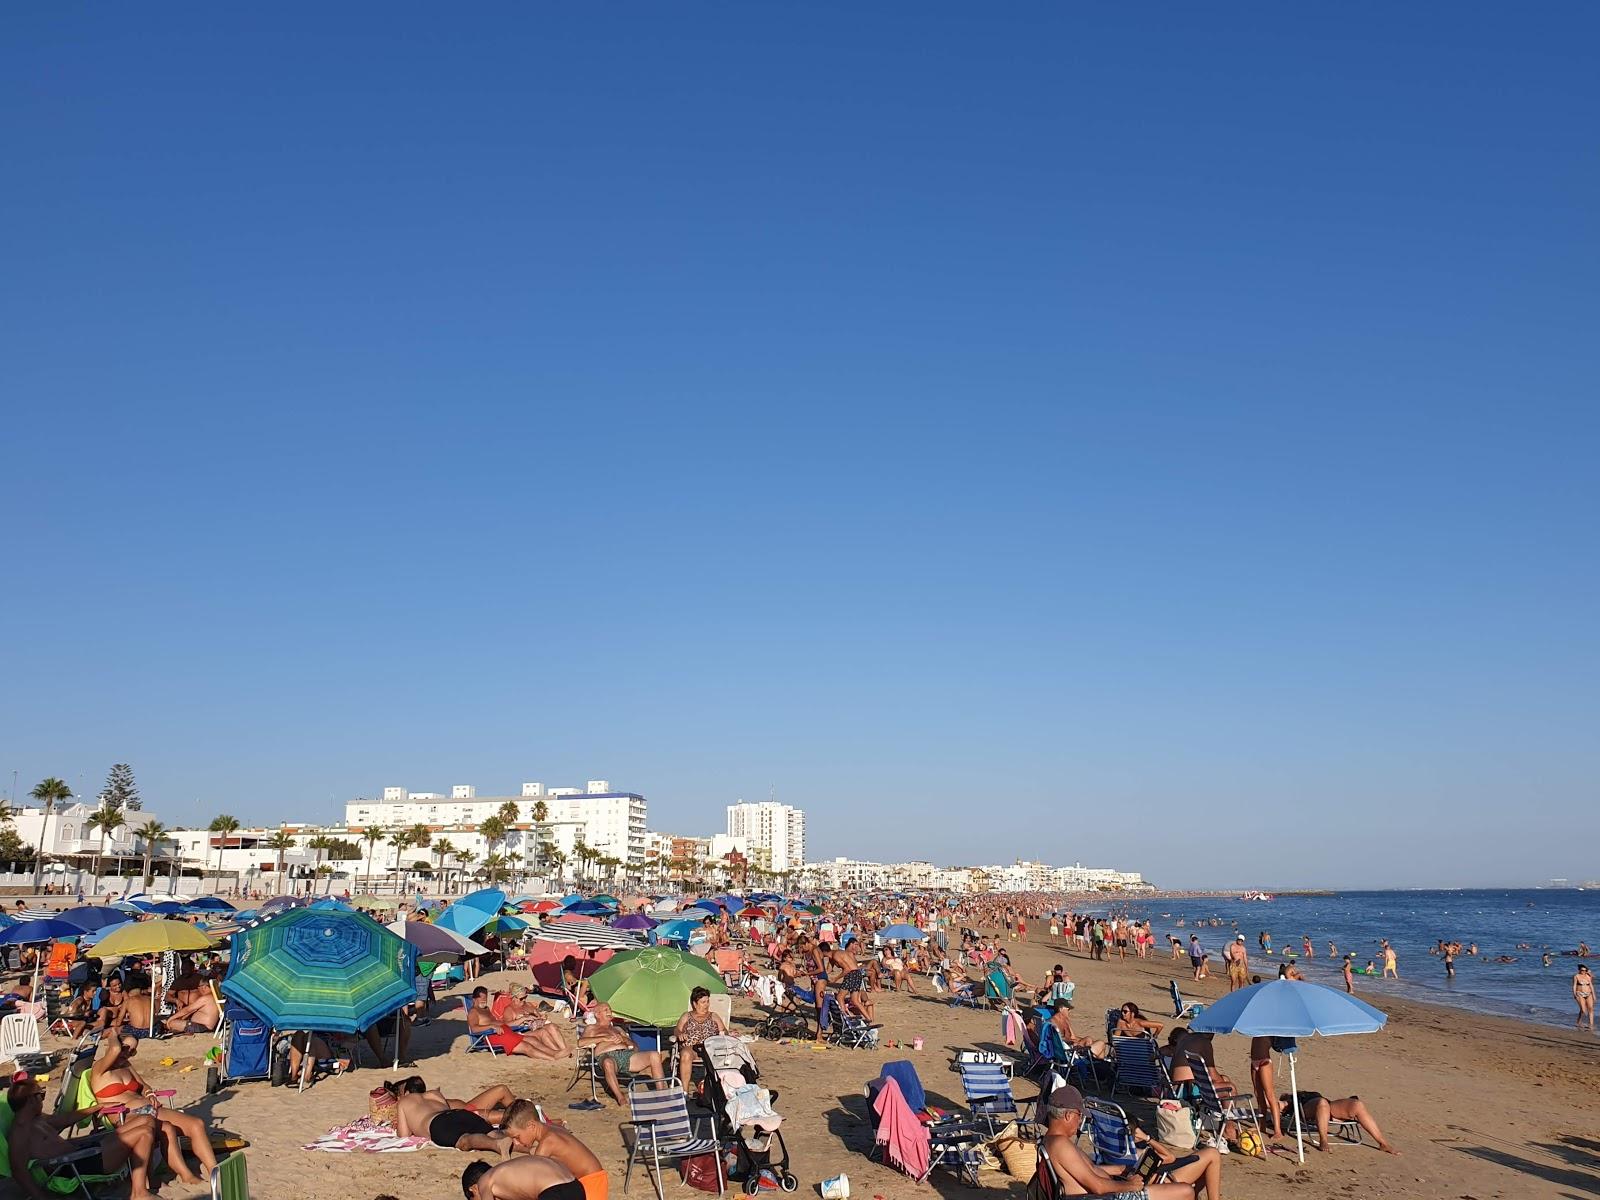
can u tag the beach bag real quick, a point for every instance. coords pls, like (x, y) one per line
(1017, 1157)
(1175, 1125)
(700, 1172)
(382, 1104)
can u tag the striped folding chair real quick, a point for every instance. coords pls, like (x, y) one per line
(1140, 1071)
(988, 1091)
(660, 1130)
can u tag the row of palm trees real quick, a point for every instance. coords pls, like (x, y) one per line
(107, 819)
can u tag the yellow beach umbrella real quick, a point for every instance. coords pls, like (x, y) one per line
(151, 937)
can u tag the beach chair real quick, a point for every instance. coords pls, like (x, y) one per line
(661, 1130)
(987, 1086)
(19, 1034)
(230, 1178)
(1110, 1135)
(964, 993)
(852, 1031)
(1215, 1107)
(1140, 1071)
(953, 1142)
(1183, 1009)
(479, 1041)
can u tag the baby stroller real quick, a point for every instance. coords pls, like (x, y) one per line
(246, 1049)
(744, 1116)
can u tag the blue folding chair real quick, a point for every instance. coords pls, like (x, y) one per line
(988, 1092)
(476, 1042)
(1140, 1071)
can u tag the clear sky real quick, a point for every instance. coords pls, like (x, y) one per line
(1161, 436)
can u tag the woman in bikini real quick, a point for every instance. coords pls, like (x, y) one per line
(114, 1082)
(1261, 1082)
(1583, 993)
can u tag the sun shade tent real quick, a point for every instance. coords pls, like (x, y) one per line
(1289, 1008)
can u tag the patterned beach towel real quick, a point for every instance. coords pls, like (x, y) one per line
(365, 1136)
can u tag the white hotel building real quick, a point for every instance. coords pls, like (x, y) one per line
(777, 829)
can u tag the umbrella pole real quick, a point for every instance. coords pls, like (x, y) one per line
(305, 1063)
(1294, 1099)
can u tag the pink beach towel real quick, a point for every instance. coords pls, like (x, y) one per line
(904, 1138)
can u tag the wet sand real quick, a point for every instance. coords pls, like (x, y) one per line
(1480, 1107)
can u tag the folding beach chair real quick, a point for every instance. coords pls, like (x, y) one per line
(1140, 1071)
(660, 1130)
(230, 1178)
(988, 1091)
(952, 1142)
(853, 1031)
(1110, 1135)
(964, 993)
(1215, 1107)
(479, 1041)
(1183, 1009)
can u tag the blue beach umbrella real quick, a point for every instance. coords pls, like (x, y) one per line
(473, 911)
(589, 908)
(45, 929)
(901, 933)
(88, 919)
(1289, 1009)
(676, 931)
(214, 903)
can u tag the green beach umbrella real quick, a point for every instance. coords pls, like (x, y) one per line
(651, 986)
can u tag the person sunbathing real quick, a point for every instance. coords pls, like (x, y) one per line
(527, 1177)
(1188, 1176)
(530, 1135)
(543, 1043)
(1132, 1023)
(35, 1138)
(199, 1015)
(614, 1052)
(114, 1081)
(1316, 1110)
(466, 1125)
(511, 1009)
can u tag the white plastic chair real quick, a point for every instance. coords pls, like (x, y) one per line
(19, 1034)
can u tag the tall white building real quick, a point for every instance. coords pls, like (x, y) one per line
(779, 829)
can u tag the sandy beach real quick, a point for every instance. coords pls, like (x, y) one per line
(1480, 1107)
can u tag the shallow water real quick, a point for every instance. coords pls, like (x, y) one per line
(1496, 919)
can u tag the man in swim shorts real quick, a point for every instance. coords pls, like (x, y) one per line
(453, 1124)
(530, 1135)
(526, 1177)
(1187, 1177)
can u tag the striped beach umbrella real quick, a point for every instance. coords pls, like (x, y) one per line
(321, 969)
(586, 934)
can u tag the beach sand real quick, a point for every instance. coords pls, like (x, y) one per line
(1480, 1107)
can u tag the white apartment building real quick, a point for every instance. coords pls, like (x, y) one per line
(611, 823)
(70, 835)
(778, 829)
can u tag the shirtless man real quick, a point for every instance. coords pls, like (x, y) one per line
(1201, 1171)
(1238, 959)
(198, 1015)
(615, 1052)
(462, 1124)
(530, 1135)
(527, 1177)
(35, 1136)
(543, 1043)
(852, 981)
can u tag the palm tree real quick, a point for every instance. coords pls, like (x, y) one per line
(49, 792)
(558, 860)
(400, 839)
(465, 858)
(581, 852)
(541, 839)
(318, 845)
(444, 850)
(493, 830)
(513, 857)
(372, 835)
(492, 864)
(281, 842)
(152, 834)
(106, 818)
(224, 825)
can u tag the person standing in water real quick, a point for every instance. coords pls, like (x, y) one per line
(1583, 993)
(1389, 967)
(1449, 963)
(1350, 974)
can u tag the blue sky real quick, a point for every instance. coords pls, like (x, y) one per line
(1083, 432)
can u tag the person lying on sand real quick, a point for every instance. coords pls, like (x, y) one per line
(1075, 1175)
(527, 1177)
(463, 1124)
(1316, 1110)
(530, 1135)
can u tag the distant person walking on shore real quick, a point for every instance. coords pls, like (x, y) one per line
(1197, 956)
(1583, 993)
(1238, 959)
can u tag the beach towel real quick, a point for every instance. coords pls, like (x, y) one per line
(904, 1074)
(748, 1103)
(365, 1136)
(1011, 1027)
(904, 1138)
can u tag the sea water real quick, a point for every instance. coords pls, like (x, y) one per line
(1413, 921)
